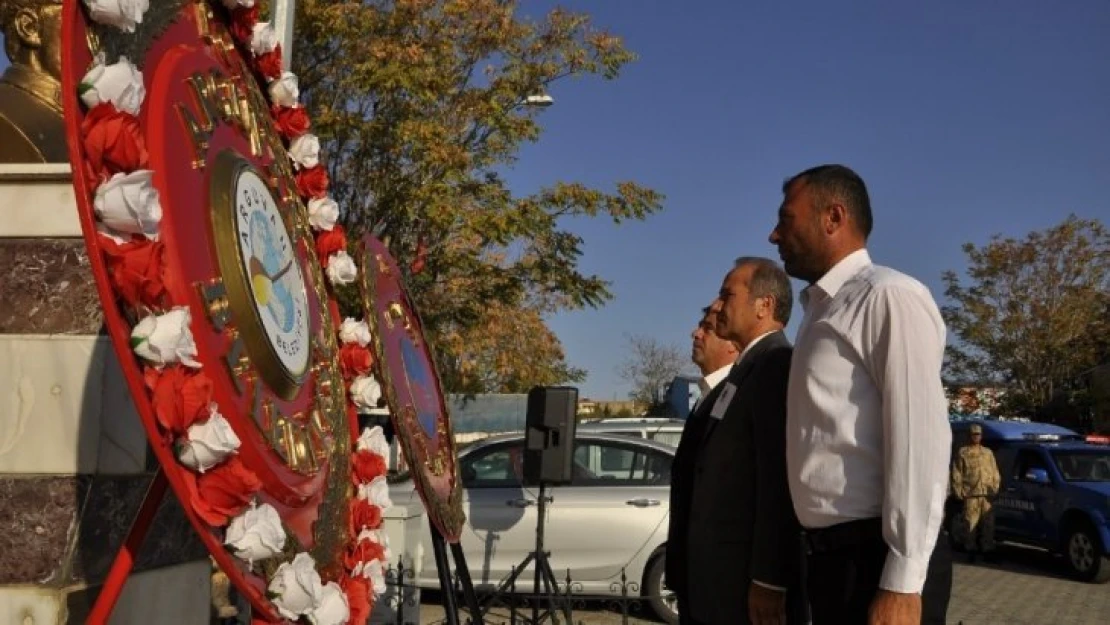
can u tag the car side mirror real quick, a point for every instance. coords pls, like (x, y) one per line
(1039, 476)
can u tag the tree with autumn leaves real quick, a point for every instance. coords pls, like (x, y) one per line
(420, 105)
(1034, 316)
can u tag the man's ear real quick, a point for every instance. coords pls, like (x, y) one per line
(766, 307)
(28, 28)
(836, 217)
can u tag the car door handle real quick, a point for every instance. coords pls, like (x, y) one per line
(520, 503)
(642, 502)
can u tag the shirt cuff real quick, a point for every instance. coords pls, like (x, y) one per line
(768, 586)
(904, 575)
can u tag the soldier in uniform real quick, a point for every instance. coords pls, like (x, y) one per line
(31, 129)
(975, 482)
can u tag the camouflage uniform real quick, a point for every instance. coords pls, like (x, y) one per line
(975, 481)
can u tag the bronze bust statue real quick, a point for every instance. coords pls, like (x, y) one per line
(31, 129)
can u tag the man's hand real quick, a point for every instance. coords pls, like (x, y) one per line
(766, 606)
(895, 608)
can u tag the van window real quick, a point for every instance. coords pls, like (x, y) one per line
(670, 438)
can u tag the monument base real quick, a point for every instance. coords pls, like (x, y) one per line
(175, 594)
(74, 461)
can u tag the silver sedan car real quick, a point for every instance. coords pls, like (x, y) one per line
(611, 518)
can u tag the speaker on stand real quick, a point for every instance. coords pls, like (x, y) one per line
(548, 460)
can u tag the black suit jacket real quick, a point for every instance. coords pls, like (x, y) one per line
(732, 519)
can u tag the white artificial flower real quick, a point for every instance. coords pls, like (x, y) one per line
(284, 91)
(373, 441)
(342, 268)
(305, 151)
(351, 331)
(333, 608)
(296, 587)
(256, 534)
(129, 203)
(234, 4)
(263, 38)
(123, 14)
(365, 392)
(207, 444)
(375, 572)
(376, 491)
(323, 212)
(119, 83)
(119, 238)
(165, 339)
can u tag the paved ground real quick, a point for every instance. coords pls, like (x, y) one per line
(1026, 587)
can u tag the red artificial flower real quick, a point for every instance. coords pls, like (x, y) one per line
(180, 396)
(113, 143)
(329, 242)
(363, 551)
(269, 64)
(367, 465)
(135, 268)
(354, 360)
(358, 599)
(312, 183)
(224, 491)
(243, 20)
(291, 121)
(363, 515)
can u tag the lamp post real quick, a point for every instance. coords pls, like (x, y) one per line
(540, 100)
(284, 13)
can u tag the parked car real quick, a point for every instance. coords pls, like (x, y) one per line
(660, 429)
(611, 520)
(1055, 492)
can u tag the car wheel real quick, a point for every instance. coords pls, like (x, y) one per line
(661, 599)
(1084, 555)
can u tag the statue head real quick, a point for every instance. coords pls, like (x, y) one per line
(33, 34)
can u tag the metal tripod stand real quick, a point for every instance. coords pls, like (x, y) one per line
(544, 576)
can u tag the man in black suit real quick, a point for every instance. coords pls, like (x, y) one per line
(714, 357)
(743, 541)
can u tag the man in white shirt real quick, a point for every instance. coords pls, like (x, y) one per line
(714, 357)
(868, 438)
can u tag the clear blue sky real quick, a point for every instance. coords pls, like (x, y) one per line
(965, 117)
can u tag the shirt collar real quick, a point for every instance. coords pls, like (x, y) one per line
(749, 346)
(709, 382)
(834, 278)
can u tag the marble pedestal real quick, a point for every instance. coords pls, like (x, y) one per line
(74, 463)
(405, 525)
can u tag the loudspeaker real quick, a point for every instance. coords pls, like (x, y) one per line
(549, 435)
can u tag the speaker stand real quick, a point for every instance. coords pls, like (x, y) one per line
(544, 576)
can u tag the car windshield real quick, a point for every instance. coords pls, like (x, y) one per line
(1084, 465)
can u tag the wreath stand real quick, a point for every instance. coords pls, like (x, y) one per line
(128, 552)
(446, 583)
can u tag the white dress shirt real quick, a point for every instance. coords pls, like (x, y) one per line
(867, 431)
(710, 381)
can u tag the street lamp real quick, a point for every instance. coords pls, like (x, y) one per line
(541, 100)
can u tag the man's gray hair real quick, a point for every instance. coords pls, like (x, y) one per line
(769, 280)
